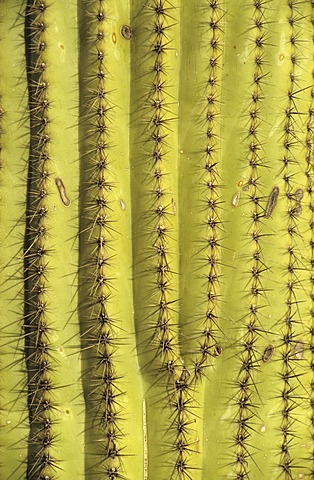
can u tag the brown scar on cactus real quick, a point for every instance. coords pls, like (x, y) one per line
(271, 202)
(62, 192)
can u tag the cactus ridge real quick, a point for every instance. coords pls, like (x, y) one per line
(101, 331)
(40, 358)
(291, 375)
(247, 397)
(210, 183)
(162, 338)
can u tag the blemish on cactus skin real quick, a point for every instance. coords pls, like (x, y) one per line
(268, 353)
(297, 211)
(263, 428)
(235, 199)
(122, 204)
(126, 32)
(299, 350)
(244, 185)
(62, 192)
(298, 194)
(114, 38)
(217, 350)
(197, 446)
(281, 57)
(61, 351)
(62, 51)
(272, 202)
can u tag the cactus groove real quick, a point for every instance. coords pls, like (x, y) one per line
(157, 239)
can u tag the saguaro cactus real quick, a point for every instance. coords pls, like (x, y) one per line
(157, 245)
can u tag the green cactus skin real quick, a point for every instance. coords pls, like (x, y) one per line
(154, 180)
(51, 320)
(200, 138)
(113, 425)
(14, 128)
(160, 323)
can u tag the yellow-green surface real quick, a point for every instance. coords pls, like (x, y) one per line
(113, 395)
(154, 188)
(178, 279)
(51, 317)
(13, 159)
